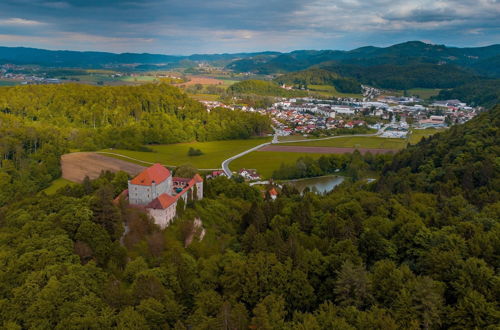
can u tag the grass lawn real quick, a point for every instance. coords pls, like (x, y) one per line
(355, 142)
(417, 134)
(228, 82)
(424, 93)
(292, 137)
(328, 90)
(265, 162)
(56, 184)
(205, 97)
(214, 152)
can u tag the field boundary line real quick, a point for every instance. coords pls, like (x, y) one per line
(229, 173)
(149, 163)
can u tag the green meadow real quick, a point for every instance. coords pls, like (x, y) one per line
(355, 142)
(205, 97)
(327, 90)
(265, 162)
(417, 134)
(214, 152)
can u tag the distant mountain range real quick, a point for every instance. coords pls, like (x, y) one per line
(76, 59)
(472, 74)
(481, 60)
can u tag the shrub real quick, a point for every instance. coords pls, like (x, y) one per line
(194, 152)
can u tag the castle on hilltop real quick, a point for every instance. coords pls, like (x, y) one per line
(158, 192)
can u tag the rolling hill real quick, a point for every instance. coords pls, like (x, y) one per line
(412, 52)
(66, 58)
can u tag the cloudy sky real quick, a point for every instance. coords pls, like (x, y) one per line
(217, 26)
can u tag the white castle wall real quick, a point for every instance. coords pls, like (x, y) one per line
(163, 218)
(143, 195)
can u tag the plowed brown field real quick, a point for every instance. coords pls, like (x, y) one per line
(76, 166)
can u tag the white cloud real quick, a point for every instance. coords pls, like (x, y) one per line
(15, 21)
(229, 26)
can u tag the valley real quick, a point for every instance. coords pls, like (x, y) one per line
(310, 189)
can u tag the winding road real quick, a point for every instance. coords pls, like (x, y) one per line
(229, 173)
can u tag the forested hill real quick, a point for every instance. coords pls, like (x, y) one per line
(483, 92)
(403, 66)
(39, 123)
(418, 250)
(67, 58)
(318, 76)
(461, 163)
(408, 53)
(147, 114)
(396, 76)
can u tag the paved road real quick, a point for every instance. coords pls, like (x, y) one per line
(229, 173)
(225, 164)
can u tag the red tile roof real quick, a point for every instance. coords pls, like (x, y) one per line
(217, 173)
(197, 178)
(123, 194)
(162, 202)
(156, 173)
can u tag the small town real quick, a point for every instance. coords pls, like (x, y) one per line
(306, 116)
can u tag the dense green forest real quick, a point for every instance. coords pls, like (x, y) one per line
(393, 76)
(460, 163)
(320, 77)
(484, 92)
(354, 166)
(39, 123)
(417, 249)
(403, 66)
(127, 116)
(480, 60)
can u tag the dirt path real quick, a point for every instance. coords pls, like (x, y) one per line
(322, 150)
(76, 166)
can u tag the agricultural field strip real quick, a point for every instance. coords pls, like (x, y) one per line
(225, 163)
(149, 163)
(229, 173)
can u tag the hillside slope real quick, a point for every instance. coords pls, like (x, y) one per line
(318, 76)
(408, 53)
(462, 161)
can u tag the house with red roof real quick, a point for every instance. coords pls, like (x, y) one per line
(273, 193)
(249, 174)
(215, 174)
(157, 192)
